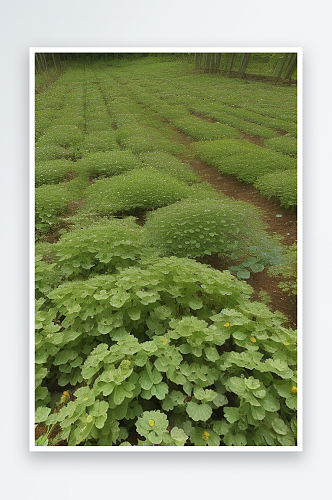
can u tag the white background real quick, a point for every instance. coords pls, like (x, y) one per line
(155, 23)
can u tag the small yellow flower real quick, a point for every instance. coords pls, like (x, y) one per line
(294, 389)
(227, 324)
(151, 423)
(206, 435)
(286, 343)
(164, 341)
(65, 397)
(85, 399)
(253, 339)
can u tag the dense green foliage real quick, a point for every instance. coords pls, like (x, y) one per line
(244, 160)
(143, 189)
(285, 144)
(178, 335)
(169, 164)
(192, 228)
(104, 247)
(144, 139)
(66, 136)
(100, 141)
(137, 344)
(281, 186)
(52, 172)
(107, 163)
(51, 202)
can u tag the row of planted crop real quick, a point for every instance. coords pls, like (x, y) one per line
(126, 314)
(271, 168)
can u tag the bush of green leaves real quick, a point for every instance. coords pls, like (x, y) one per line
(244, 160)
(177, 351)
(51, 201)
(226, 117)
(286, 144)
(100, 248)
(202, 130)
(140, 139)
(192, 228)
(279, 185)
(100, 141)
(107, 163)
(53, 172)
(137, 190)
(165, 162)
(66, 136)
(51, 152)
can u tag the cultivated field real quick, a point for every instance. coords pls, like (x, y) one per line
(165, 218)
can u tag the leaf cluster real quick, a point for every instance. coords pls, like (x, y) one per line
(281, 186)
(194, 228)
(53, 172)
(100, 248)
(286, 144)
(244, 160)
(175, 343)
(141, 189)
(107, 163)
(140, 139)
(165, 162)
(99, 141)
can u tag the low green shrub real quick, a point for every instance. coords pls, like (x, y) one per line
(101, 248)
(141, 139)
(107, 163)
(244, 160)
(141, 189)
(66, 136)
(51, 202)
(53, 172)
(169, 164)
(193, 228)
(47, 277)
(279, 185)
(99, 125)
(202, 130)
(100, 141)
(50, 152)
(176, 350)
(286, 144)
(224, 115)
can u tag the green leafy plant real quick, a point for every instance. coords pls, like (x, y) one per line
(103, 247)
(165, 162)
(140, 139)
(51, 152)
(193, 228)
(176, 349)
(203, 130)
(108, 163)
(51, 202)
(279, 185)
(53, 172)
(100, 141)
(286, 144)
(142, 189)
(66, 136)
(244, 160)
